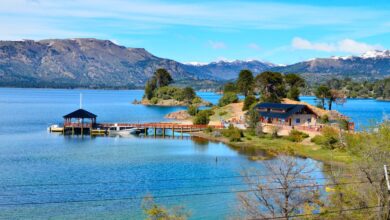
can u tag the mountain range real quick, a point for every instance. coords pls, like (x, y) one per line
(93, 63)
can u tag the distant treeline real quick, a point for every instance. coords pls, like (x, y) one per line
(378, 89)
(60, 85)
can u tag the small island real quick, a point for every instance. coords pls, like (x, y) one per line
(160, 92)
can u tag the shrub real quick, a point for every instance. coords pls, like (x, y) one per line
(188, 94)
(274, 131)
(192, 110)
(252, 118)
(154, 100)
(318, 139)
(202, 117)
(234, 134)
(209, 129)
(169, 92)
(343, 123)
(227, 98)
(324, 119)
(196, 100)
(329, 138)
(208, 112)
(296, 136)
(222, 113)
(259, 130)
(248, 102)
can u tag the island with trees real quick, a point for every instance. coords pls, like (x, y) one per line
(159, 91)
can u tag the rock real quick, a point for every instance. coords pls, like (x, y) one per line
(179, 115)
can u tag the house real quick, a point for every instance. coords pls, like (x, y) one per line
(286, 114)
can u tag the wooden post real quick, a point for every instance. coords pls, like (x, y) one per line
(163, 131)
(173, 131)
(72, 130)
(82, 121)
(155, 131)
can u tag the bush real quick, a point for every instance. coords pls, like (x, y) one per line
(329, 138)
(222, 113)
(252, 118)
(169, 92)
(274, 131)
(296, 136)
(259, 130)
(324, 119)
(196, 100)
(202, 118)
(248, 102)
(209, 129)
(188, 94)
(227, 98)
(192, 110)
(154, 100)
(234, 134)
(318, 139)
(343, 123)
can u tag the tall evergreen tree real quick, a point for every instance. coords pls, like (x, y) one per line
(322, 93)
(150, 87)
(245, 82)
(163, 77)
(294, 83)
(271, 86)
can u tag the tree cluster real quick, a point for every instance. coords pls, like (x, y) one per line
(379, 89)
(158, 88)
(271, 86)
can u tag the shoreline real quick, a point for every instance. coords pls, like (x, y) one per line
(278, 146)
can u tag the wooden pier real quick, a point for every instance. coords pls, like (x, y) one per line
(103, 128)
(84, 123)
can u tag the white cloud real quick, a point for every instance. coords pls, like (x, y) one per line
(345, 45)
(352, 46)
(254, 46)
(154, 14)
(217, 44)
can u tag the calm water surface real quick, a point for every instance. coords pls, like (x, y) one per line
(49, 176)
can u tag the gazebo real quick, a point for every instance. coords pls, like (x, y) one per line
(76, 120)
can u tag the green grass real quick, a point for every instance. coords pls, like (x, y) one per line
(275, 146)
(223, 113)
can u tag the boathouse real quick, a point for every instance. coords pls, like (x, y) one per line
(286, 114)
(79, 122)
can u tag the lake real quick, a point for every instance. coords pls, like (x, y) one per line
(45, 176)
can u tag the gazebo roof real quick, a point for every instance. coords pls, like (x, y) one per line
(80, 113)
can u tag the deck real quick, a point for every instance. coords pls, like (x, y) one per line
(102, 128)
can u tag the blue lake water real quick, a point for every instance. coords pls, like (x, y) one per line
(46, 176)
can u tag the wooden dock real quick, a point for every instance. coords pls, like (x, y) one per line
(84, 122)
(103, 128)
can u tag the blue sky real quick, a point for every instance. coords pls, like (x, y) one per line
(281, 32)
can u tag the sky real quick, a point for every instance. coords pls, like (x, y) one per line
(281, 32)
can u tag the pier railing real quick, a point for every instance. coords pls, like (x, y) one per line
(158, 125)
(77, 125)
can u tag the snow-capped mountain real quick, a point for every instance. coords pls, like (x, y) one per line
(227, 70)
(372, 64)
(376, 54)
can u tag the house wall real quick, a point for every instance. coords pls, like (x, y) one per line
(303, 118)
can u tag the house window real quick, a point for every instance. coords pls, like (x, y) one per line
(309, 120)
(297, 120)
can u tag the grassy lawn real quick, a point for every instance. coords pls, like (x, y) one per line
(279, 145)
(223, 113)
